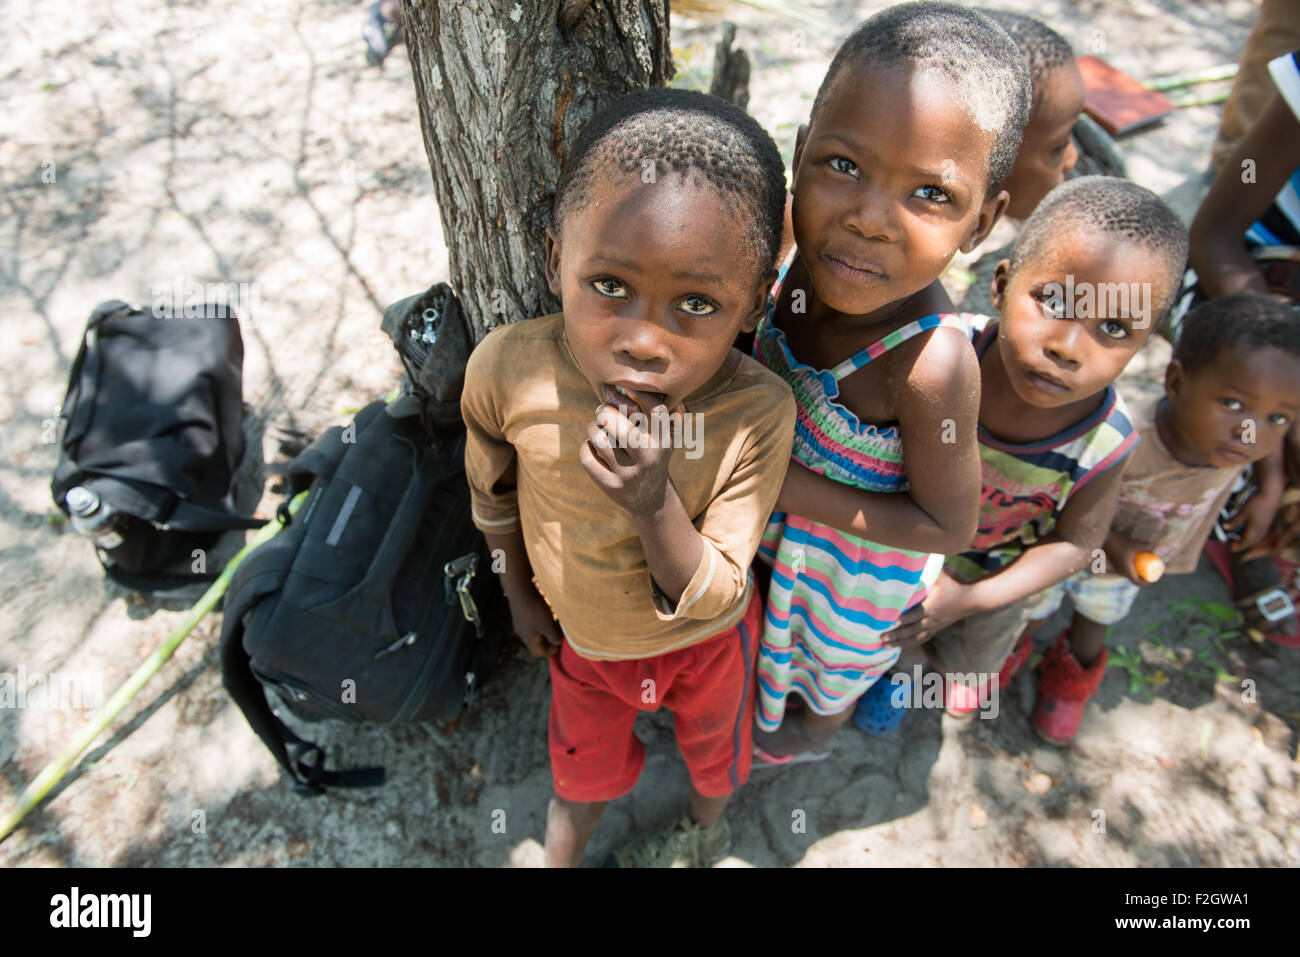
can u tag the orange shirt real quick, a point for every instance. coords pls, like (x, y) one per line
(526, 405)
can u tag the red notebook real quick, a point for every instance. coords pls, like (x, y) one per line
(1117, 101)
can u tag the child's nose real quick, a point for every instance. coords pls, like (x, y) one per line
(1063, 343)
(641, 340)
(871, 214)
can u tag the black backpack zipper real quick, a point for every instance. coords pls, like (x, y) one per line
(298, 692)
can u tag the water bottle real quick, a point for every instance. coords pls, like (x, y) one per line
(92, 518)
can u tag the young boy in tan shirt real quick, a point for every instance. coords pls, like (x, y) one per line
(635, 527)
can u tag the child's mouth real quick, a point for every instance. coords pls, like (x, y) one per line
(628, 399)
(856, 272)
(1046, 383)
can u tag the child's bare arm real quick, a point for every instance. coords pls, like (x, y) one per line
(938, 409)
(1081, 528)
(1266, 157)
(673, 547)
(630, 465)
(530, 615)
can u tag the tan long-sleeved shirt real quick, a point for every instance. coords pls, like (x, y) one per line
(527, 404)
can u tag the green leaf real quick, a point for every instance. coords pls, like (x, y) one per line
(1221, 611)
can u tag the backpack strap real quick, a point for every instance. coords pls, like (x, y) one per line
(262, 572)
(193, 517)
(160, 585)
(306, 764)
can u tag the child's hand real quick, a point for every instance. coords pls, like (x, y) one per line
(1121, 557)
(531, 618)
(628, 462)
(947, 602)
(1255, 520)
(1284, 534)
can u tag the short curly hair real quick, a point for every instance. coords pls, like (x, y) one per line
(1245, 321)
(1114, 207)
(1043, 48)
(683, 132)
(988, 73)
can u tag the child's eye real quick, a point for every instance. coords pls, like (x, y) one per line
(934, 194)
(843, 165)
(1114, 329)
(1277, 418)
(699, 306)
(1233, 405)
(610, 288)
(1053, 306)
(1060, 149)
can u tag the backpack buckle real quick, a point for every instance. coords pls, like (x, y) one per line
(459, 574)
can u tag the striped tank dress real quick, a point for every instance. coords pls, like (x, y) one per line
(833, 594)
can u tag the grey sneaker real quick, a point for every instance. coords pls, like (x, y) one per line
(680, 843)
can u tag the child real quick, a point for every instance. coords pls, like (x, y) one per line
(1231, 392)
(911, 134)
(667, 221)
(1246, 238)
(1094, 266)
(1047, 151)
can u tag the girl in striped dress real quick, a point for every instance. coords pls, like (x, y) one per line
(911, 135)
(832, 594)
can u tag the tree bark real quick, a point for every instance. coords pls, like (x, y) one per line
(502, 90)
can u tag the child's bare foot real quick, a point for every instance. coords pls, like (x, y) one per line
(793, 738)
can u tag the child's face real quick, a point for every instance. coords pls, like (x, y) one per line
(656, 283)
(1074, 315)
(1236, 409)
(889, 182)
(1047, 151)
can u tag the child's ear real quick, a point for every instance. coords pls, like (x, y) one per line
(990, 212)
(759, 306)
(998, 288)
(800, 141)
(1175, 375)
(553, 262)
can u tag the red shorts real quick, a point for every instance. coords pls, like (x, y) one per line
(709, 688)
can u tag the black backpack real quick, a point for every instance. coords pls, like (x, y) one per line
(377, 602)
(154, 429)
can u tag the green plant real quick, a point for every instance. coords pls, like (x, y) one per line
(1132, 662)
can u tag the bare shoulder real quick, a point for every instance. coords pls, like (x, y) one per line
(942, 362)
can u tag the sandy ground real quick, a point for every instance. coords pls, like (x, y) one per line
(237, 142)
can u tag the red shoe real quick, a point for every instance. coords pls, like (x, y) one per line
(1016, 660)
(1064, 687)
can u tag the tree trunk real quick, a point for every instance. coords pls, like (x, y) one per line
(503, 89)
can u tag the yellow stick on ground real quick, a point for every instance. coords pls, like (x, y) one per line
(57, 769)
